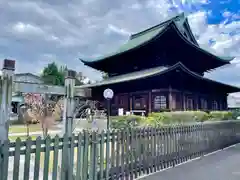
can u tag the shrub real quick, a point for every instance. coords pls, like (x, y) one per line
(228, 115)
(120, 122)
(177, 117)
(235, 113)
(220, 115)
(201, 116)
(164, 118)
(158, 119)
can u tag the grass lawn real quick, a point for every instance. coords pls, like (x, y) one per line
(23, 128)
(23, 138)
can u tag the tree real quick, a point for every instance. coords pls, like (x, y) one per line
(26, 117)
(88, 82)
(105, 75)
(39, 110)
(54, 75)
(78, 82)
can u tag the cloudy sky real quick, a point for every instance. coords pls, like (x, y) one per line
(37, 32)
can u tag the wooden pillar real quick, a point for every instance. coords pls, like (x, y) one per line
(210, 102)
(149, 102)
(183, 102)
(131, 101)
(220, 104)
(69, 102)
(224, 102)
(170, 98)
(68, 112)
(6, 97)
(116, 102)
(196, 101)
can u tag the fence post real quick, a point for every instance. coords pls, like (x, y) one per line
(6, 97)
(68, 118)
(69, 102)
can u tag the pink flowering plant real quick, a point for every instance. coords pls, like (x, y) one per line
(38, 110)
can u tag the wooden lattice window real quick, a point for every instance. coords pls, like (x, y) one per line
(189, 103)
(163, 102)
(214, 105)
(220, 106)
(204, 104)
(160, 102)
(121, 100)
(138, 102)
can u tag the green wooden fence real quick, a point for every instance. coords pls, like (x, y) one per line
(125, 154)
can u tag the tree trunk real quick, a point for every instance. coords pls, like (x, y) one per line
(27, 130)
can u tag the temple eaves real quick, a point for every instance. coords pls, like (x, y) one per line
(144, 37)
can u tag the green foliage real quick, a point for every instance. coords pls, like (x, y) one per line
(221, 115)
(53, 75)
(164, 118)
(78, 82)
(122, 122)
(177, 117)
(235, 113)
(201, 116)
(105, 75)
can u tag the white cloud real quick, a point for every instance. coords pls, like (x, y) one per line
(39, 32)
(26, 28)
(225, 1)
(118, 30)
(225, 44)
(227, 14)
(198, 23)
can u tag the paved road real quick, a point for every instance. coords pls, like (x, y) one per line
(223, 165)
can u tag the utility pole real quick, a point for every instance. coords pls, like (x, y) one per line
(6, 97)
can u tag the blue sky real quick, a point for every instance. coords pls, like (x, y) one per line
(219, 7)
(35, 33)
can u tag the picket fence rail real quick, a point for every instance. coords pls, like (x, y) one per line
(116, 154)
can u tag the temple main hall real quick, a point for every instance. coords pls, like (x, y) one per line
(161, 69)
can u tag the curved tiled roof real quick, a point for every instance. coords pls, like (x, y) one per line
(144, 37)
(154, 72)
(132, 43)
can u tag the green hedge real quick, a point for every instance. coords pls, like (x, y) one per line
(120, 122)
(177, 117)
(235, 113)
(164, 118)
(221, 115)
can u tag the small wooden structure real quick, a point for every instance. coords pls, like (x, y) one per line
(162, 68)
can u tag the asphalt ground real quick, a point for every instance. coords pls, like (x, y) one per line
(222, 165)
